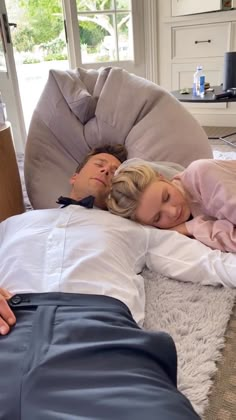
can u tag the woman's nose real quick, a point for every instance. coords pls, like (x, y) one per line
(172, 211)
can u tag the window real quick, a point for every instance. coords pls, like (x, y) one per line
(106, 30)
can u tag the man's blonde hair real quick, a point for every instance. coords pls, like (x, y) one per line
(127, 188)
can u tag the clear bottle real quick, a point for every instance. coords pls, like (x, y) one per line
(199, 82)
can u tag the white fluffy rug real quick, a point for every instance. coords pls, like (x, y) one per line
(196, 317)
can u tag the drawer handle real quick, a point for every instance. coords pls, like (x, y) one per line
(201, 42)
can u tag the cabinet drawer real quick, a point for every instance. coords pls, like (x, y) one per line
(200, 40)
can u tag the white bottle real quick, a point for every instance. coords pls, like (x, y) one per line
(199, 82)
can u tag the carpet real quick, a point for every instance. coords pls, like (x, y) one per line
(224, 155)
(190, 313)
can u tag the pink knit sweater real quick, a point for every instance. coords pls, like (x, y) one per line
(211, 191)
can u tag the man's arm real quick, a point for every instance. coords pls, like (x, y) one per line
(185, 259)
(7, 317)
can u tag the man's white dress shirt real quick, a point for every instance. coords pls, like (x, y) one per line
(81, 250)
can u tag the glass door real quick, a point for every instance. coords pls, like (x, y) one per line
(8, 82)
(39, 43)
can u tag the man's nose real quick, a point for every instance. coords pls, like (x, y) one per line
(105, 170)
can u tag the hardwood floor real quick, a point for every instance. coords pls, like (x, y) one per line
(219, 144)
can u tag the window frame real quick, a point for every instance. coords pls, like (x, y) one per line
(137, 65)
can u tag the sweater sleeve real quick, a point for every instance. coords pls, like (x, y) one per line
(211, 186)
(218, 234)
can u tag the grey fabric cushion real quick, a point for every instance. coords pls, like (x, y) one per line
(80, 109)
(79, 100)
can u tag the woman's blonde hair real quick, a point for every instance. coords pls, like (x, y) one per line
(127, 188)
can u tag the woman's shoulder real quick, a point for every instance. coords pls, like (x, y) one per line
(201, 164)
(204, 173)
(211, 166)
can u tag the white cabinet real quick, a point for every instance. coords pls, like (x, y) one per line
(194, 45)
(187, 7)
(188, 41)
(198, 41)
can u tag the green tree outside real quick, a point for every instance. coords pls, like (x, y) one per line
(40, 23)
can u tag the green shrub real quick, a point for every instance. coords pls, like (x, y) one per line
(31, 60)
(56, 57)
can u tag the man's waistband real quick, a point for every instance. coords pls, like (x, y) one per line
(66, 299)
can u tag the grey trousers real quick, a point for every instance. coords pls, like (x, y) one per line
(74, 356)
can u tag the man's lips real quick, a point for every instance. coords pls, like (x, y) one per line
(100, 180)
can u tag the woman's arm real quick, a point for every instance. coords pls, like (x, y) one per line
(218, 234)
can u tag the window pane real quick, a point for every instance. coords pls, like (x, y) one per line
(39, 45)
(125, 36)
(123, 4)
(97, 38)
(94, 6)
(3, 66)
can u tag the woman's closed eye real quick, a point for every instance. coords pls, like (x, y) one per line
(165, 197)
(157, 218)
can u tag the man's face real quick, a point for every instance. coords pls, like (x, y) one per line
(95, 178)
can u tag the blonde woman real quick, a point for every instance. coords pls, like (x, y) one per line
(199, 202)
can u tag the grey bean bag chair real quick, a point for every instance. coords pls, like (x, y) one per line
(80, 109)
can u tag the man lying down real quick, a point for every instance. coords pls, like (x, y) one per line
(72, 307)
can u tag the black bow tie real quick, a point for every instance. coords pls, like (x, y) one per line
(85, 202)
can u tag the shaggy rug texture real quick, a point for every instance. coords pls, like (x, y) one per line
(224, 155)
(195, 316)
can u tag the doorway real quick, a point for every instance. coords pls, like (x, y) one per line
(39, 44)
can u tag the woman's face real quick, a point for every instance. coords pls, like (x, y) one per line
(162, 205)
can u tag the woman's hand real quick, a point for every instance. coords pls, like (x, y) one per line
(7, 317)
(181, 229)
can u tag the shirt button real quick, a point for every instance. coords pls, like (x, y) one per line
(15, 300)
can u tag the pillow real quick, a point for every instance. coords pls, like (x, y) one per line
(76, 94)
(83, 106)
(167, 169)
